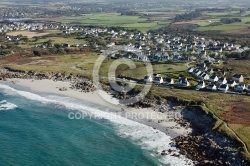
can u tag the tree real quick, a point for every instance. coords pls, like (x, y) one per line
(57, 45)
(230, 20)
(37, 53)
(24, 38)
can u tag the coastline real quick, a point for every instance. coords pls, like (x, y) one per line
(201, 145)
(148, 116)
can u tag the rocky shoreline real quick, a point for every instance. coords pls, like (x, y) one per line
(204, 146)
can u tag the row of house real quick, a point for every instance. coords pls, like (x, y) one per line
(210, 75)
(21, 26)
(183, 82)
(223, 87)
(156, 78)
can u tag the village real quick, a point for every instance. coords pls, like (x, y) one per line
(203, 57)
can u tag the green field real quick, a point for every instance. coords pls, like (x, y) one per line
(114, 19)
(220, 13)
(163, 9)
(59, 40)
(245, 19)
(204, 22)
(31, 34)
(246, 13)
(214, 17)
(223, 27)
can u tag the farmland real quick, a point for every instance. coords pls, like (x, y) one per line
(210, 21)
(31, 34)
(113, 20)
(222, 28)
(54, 40)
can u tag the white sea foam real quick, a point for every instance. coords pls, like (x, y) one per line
(4, 105)
(147, 137)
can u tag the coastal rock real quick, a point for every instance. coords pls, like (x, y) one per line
(62, 89)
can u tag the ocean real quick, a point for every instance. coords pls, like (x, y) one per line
(46, 129)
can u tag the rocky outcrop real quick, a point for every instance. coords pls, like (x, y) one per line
(205, 146)
(77, 83)
(83, 85)
(6, 73)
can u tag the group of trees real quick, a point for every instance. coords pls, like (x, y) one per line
(58, 49)
(229, 20)
(130, 13)
(188, 16)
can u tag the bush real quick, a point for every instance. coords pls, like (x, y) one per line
(37, 53)
(230, 20)
(215, 24)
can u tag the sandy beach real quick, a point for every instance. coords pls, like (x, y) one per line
(149, 116)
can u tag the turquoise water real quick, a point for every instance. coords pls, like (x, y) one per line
(36, 130)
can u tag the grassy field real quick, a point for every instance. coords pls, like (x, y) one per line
(239, 66)
(84, 64)
(245, 19)
(220, 13)
(113, 19)
(105, 19)
(145, 26)
(59, 40)
(223, 27)
(214, 17)
(31, 34)
(246, 13)
(163, 9)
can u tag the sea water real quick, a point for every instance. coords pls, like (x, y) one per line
(36, 129)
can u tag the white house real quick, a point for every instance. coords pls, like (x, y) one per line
(222, 80)
(143, 58)
(200, 85)
(148, 79)
(169, 81)
(210, 71)
(158, 80)
(165, 57)
(190, 69)
(197, 73)
(240, 87)
(156, 57)
(238, 77)
(211, 87)
(204, 76)
(232, 83)
(213, 78)
(223, 87)
(183, 82)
